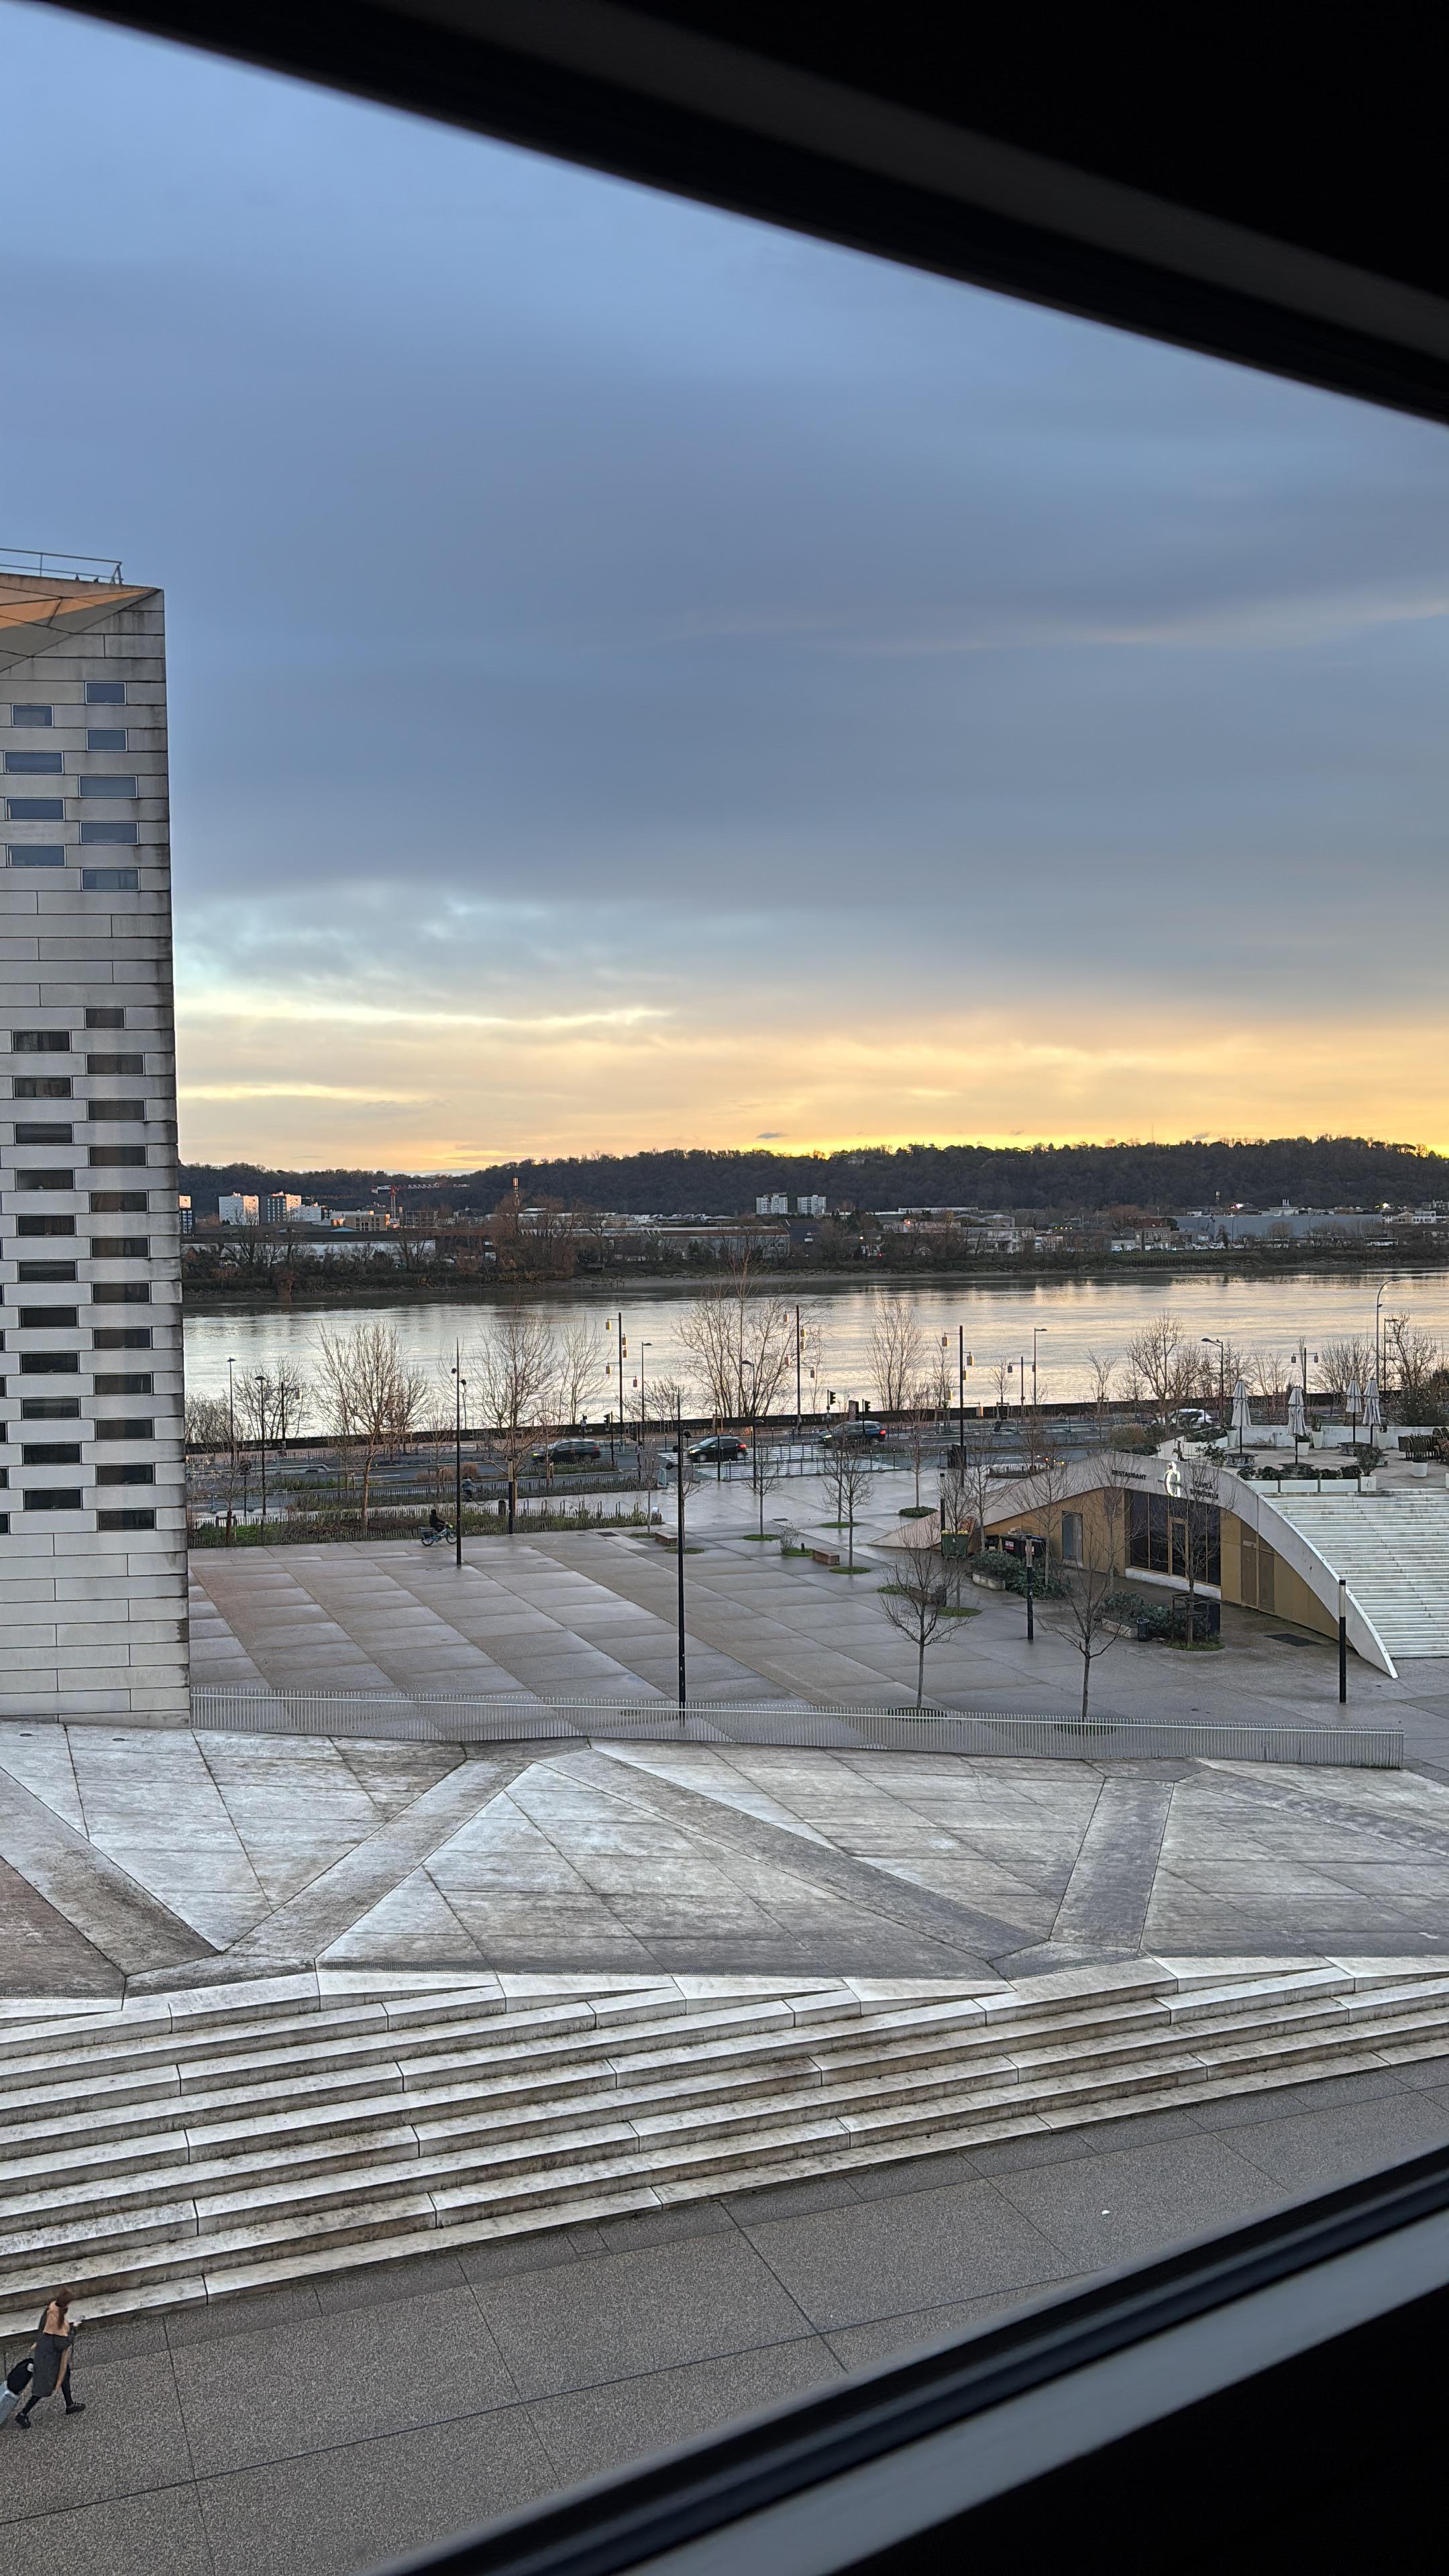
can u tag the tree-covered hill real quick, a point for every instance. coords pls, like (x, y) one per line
(1311, 1171)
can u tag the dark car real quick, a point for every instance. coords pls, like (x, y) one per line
(719, 1445)
(569, 1453)
(862, 1428)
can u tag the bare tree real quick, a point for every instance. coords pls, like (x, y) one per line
(916, 1601)
(1347, 1361)
(1102, 1372)
(1419, 1371)
(895, 1352)
(943, 1379)
(1165, 1356)
(966, 1483)
(1267, 1374)
(208, 1422)
(576, 1371)
(847, 1481)
(1094, 1610)
(741, 1337)
(370, 1392)
(511, 1374)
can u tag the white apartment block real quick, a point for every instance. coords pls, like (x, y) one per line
(92, 1518)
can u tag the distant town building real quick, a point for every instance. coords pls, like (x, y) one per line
(773, 1203)
(188, 1221)
(281, 1207)
(237, 1207)
(805, 1207)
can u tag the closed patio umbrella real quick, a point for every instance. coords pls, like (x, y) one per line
(1352, 1404)
(1242, 1418)
(1373, 1412)
(1297, 1418)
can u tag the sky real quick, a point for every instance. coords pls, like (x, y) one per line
(638, 678)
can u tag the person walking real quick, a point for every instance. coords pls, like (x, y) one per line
(53, 2346)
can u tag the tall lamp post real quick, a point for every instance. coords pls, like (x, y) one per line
(460, 1385)
(681, 1469)
(231, 1439)
(1037, 1331)
(1210, 1342)
(260, 1383)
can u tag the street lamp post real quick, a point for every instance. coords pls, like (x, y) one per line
(799, 1405)
(231, 1439)
(1212, 1341)
(260, 1383)
(679, 1476)
(1342, 1642)
(1037, 1331)
(643, 1347)
(459, 1385)
(1030, 1605)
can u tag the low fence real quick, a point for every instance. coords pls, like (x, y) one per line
(437, 1718)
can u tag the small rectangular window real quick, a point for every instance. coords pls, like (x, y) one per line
(43, 1181)
(125, 1429)
(96, 783)
(40, 1041)
(4, 1524)
(48, 1319)
(139, 1382)
(128, 1337)
(40, 1086)
(1071, 1538)
(33, 1274)
(51, 1453)
(53, 1498)
(122, 1292)
(35, 854)
(33, 764)
(32, 1225)
(120, 1247)
(118, 1203)
(35, 809)
(125, 1520)
(109, 836)
(109, 880)
(34, 1131)
(106, 738)
(114, 1154)
(105, 1017)
(50, 1408)
(50, 1364)
(115, 1109)
(115, 1064)
(31, 715)
(105, 693)
(128, 1471)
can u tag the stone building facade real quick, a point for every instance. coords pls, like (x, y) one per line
(92, 1515)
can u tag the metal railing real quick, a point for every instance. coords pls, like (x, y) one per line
(436, 1717)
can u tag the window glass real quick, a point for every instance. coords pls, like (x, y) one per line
(94, 784)
(105, 1018)
(31, 1273)
(50, 1408)
(39, 1180)
(114, 1064)
(137, 1383)
(53, 1498)
(32, 715)
(125, 1520)
(51, 1453)
(114, 1154)
(124, 1428)
(118, 1202)
(126, 1337)
(1072, 1538)
(105, 693)
(116, 1108)
(110, 880)
(122, 1292)
(108, 836)
(41, 1041)
(41, 1086)
(33, 764)
(34, 809)
(48, 1319)
(120, 1247)
(106, 738)
(36, 854)
(32, 1225)
(33, 1131)
(50, 1364)
(129, 1471)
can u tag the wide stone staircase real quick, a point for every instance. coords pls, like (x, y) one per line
(181, 2149)
(1393, 1550)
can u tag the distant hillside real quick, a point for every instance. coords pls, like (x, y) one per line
(1312, 1171)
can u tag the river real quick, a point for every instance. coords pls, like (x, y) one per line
(1071, 1320)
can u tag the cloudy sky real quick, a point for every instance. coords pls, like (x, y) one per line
(637, 678)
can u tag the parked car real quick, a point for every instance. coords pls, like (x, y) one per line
(719, 1445)
(862, 1428)
(569, 1453)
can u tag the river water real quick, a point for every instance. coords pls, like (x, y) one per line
(1095, 1315)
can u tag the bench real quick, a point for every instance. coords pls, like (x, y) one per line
(825, 1556)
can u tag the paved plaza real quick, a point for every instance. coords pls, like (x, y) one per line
(316, 2429)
